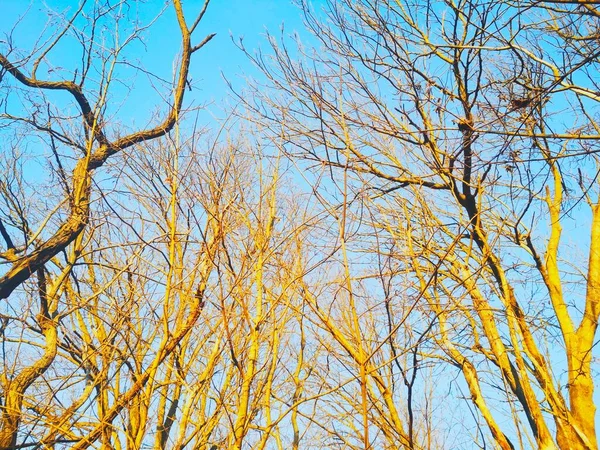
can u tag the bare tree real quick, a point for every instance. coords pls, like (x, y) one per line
(469, 130)
(47, 237)
(391, 256)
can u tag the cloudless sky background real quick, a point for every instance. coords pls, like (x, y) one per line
(229, 19)
(143, 104)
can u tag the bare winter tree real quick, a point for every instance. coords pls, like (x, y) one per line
(469, 132)
(401, 252)
(46, 219)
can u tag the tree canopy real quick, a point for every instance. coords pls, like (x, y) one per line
(392, 240)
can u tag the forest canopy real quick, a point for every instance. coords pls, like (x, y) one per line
(387, 238)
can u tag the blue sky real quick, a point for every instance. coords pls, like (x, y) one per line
(249, 19)
(230, 19)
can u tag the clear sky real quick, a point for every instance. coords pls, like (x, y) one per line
(135, 100)
(249, 19)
